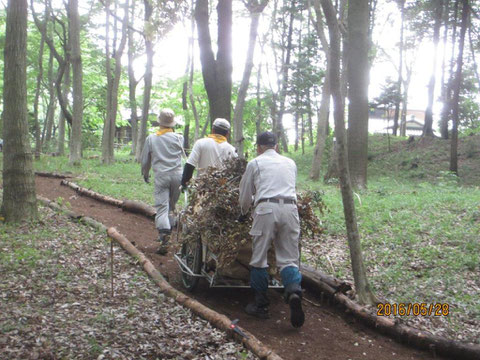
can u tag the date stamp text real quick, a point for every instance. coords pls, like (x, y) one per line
(415, 309)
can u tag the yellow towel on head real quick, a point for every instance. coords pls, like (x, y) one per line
(218, 138)
(163, 131)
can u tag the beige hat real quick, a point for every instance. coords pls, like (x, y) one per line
(221, 124)
(167, 118)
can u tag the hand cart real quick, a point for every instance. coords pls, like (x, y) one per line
(197, 261)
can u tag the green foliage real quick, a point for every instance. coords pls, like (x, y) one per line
(419, 236)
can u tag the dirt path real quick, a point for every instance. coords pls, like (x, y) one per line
(328, 332)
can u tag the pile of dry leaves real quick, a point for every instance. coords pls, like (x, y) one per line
(214, 210)
(56, 303)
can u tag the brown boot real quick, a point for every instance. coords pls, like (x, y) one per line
(163, 238)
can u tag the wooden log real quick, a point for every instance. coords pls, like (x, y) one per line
(318, 276)
(320, 283)
(79, 218)
(94, 195)
(139, 207)
(52, 175)
(58, 208)
(400, 332)
(218, 320)
(93, 223)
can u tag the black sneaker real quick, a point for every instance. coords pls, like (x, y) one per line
(297, 317)
(259, 312)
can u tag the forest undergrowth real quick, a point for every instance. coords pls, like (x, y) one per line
(419, 224)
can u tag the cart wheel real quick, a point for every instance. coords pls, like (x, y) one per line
(192, 255)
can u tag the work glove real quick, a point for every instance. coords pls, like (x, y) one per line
(242, 218)
(183, 186)
(145, 177)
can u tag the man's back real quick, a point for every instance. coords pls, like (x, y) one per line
(274, 176)
(166, 152)
(208, 152)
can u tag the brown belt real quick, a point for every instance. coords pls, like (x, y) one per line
(278, 201)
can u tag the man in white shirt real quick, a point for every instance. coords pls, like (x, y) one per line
(210, 151)
(163, 152)
(270, 180)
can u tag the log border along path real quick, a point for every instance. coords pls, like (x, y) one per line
(216, 319)
(314, 280)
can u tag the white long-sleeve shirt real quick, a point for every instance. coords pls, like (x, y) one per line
(162, 153)
(269, 175)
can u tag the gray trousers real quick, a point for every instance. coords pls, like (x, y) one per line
(280, 224)
(167, 191)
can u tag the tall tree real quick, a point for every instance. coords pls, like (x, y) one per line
(324, 109)
(365, 294)
(38, 139)
(62, 118)
(217, 72)
(52, 104)
(358, 78)
(61, 60)
(284, 74)
(448, 87)
(191, 73)
(132, 82)
(19, 199)
(456, 88)
(255, 9)
(76, 60)
(113, 80)
(147, 87)
(396, 116)
(428, 123)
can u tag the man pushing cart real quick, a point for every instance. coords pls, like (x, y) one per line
(218, 243)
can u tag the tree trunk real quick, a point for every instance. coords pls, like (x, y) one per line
(310, 120)
(61, 119)
(358, 78)
(447, 103)
(284, 84)
(324, 110)
(107, 157)
(362, 287)
(74, 31)
(132, 85)
(322, 127)
(258, 119)
(255, 11)
(19, 201)
(51, 104)
(38, 140)
(456, 88)
(296, 120)
(191, 97)
(113, 82)
(147, 88)
(400, 68)
(443, 94)
(217, 73)
(428, 123)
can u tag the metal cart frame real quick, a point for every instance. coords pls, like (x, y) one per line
(194, 260)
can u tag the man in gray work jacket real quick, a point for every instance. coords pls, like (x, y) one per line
(163, 152)
(269, 180)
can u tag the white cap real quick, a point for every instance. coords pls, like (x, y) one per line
(221, 124)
